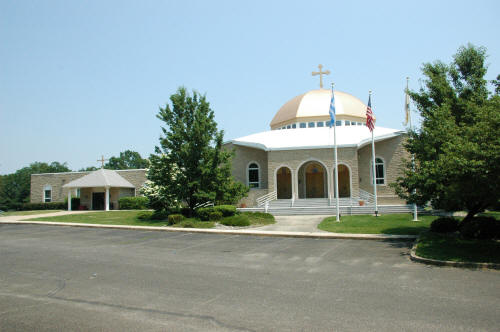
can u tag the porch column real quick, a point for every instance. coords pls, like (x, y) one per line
(107, 199)
(69, 199)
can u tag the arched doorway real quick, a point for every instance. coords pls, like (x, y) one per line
(344, 181)
(284, 183)
(312, 180)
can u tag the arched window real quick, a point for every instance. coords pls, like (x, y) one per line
(379, 171)
(253, 174)
(47, 194)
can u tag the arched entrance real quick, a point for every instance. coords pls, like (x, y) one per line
(344, 181)
(312, 180)
(284, 183)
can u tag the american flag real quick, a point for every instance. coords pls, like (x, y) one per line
(369, 115)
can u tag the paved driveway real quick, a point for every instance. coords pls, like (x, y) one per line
(295, 224)
(68, 278)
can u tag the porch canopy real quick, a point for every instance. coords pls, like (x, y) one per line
(101, 178)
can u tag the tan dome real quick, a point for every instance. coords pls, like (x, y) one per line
(316, 104)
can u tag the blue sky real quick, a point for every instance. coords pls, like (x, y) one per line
(81, 79)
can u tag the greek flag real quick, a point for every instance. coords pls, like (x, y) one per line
(332, 110)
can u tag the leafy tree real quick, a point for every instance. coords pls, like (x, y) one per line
(457, 148)
(190, 165)
(15, 187)
(88, 169)
(127, 160)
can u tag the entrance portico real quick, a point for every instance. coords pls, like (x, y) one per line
(98, 185)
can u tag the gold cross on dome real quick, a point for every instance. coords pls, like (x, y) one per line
(102, 160)
(320, 73)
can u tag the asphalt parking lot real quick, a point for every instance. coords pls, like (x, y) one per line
(80, 279)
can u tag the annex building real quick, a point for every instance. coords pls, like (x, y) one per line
(292, 164)
(97, 190)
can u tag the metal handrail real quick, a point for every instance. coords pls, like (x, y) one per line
(262, 200)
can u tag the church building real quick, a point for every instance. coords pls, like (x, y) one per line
(292, 164)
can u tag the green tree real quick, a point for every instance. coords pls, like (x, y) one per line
(457, 148)
(190, 166)
(15, 187)
(127, 160)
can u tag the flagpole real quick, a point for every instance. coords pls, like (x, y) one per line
(373, 166)
(415, 209)
(336, 168)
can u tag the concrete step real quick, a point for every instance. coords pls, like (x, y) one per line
(344, 210)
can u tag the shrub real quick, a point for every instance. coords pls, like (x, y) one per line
(186, 212)
(204, 213)
(42, 206)
(75, 203)
(237, 220)
(215, 216)
(187, 224)
(480, 228)
(159, 215)
(175, 218)
(133, 203)
(444, 225)
(226, 210)
(145, 215)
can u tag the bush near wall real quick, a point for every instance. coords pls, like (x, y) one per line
(204, 213)
(43, 206)
(75, 203)
(133, 203)
(226, 210)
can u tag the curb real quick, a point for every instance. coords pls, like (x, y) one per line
(471, 265)
(225, 231)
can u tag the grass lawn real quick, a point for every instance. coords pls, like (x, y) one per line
(385, 224)
(453, 248)
(260, 218)
(130, 218)
(26, 213)
(120, 218)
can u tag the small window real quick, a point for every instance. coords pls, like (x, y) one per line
(47, 194)
(359, 124)
(347, 123)
(364, 124)
(294, 126)
(302, 125)
(320, 124)
(338, 123)
(77, 192)
(379, 171)
(310, 125)
(288, 126)
(253, 175)
(284, 127)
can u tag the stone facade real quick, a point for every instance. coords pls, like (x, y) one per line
(392, 152)
(55, 181)
(358, 161)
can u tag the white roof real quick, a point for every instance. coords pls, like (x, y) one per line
(100, 178)
(314, 138)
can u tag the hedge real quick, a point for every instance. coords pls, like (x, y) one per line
(215, 216)
(42, 206)
(204, 213)
(237, 220)
(482, 228)
(226, 210)
(175, 218)
(133, 203)
(444, 225)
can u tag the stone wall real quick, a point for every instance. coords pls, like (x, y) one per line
(294, 159)
(137, 177)
(392, 152)
(56, 181)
